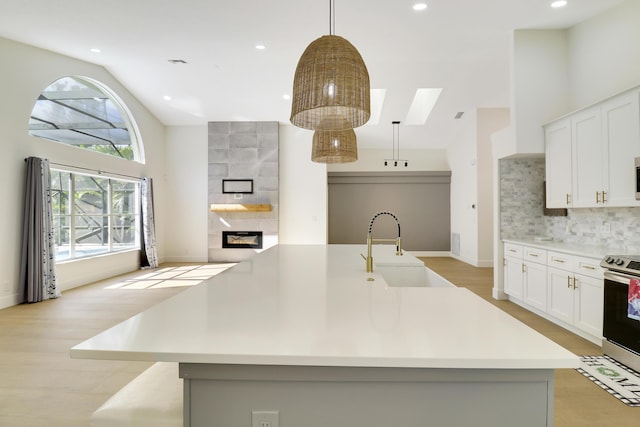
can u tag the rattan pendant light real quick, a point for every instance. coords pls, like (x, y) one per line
(334, 146)
(331, 85)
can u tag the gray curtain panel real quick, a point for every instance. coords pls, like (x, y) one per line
(37, 265)
(149, 257)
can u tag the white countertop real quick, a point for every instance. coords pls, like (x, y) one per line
(590, 251)
(312, 305)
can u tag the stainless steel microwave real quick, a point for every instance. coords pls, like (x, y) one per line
(637, 178)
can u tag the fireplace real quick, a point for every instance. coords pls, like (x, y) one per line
(242, 239)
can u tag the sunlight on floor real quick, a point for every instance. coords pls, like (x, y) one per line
(172, 277)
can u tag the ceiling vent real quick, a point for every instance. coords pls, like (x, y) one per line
(177, 61)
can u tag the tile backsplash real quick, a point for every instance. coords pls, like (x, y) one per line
(521, 212)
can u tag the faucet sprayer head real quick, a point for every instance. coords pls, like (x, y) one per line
(383, 213)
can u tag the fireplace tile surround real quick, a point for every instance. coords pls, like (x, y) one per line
(242, 150)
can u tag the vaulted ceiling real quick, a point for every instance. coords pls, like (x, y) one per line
(461, 46)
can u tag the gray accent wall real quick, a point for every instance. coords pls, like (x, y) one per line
(521, 212)
(242, 150)
(420, 200)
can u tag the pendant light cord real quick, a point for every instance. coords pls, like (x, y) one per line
(332, 18)
(396, 132)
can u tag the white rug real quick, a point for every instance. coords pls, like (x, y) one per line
(617, 379)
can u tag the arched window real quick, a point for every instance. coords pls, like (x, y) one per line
(85, 113)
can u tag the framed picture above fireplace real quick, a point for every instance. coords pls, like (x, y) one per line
(237, 186)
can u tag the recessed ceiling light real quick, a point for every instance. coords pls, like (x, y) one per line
(286, 97)
(95, 50)
(166, 98)
(559, 3)
(260, 47)
(419, 6)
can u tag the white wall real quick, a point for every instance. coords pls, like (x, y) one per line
(472, 208)
(462, 154)
(490, 120)
(539, 85)
(604, 55)
(187, 185)
(26, 71)
(303, 190)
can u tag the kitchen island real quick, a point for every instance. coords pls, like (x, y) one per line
(303, 330)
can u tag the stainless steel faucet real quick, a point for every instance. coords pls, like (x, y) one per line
(370, 240)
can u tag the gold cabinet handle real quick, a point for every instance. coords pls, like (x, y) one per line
(569, 282)
(567, 198)
(560, 260)
(589, 267)
(524, 268)
(504, 261)
(533, 255)
(575, 283)
(604, 196)
(597, 197)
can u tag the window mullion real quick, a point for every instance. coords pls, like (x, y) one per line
(72, 215)
(110, 214)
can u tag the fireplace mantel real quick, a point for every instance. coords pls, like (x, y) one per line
(237, 207)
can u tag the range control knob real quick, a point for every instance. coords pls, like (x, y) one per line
(619, 261)
(609, 260)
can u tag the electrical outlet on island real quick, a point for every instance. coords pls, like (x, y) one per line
(265, 418)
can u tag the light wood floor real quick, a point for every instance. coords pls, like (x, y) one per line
(578, 402)
(40, 385)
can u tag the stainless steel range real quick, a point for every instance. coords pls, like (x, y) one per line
(621, 328)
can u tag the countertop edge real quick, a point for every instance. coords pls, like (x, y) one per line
(595, 252)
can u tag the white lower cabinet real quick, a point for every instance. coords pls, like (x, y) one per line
(513, 269)
(561, 294)
(589, 303)
(576, 299)
(564, 288)
(525, 274)
(535, 285)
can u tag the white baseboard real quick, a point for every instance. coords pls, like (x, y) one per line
(8, 300)
(475, 263)
(186, 259)
(430, 253)
(499, 294)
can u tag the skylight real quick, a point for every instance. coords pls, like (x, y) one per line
(423, 102)
(376, 102)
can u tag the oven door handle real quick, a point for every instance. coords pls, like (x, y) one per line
(619, 277)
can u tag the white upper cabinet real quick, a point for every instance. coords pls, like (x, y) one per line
(621, 135)
(590, 155)
(558, 163)
(586, 158)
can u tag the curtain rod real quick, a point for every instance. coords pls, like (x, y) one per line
(100, 172)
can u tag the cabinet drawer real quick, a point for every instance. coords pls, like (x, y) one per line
(535, 255)
(589, 267)
(561, 260)
(512, 250)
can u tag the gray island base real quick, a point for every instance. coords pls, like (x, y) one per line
(226, 395)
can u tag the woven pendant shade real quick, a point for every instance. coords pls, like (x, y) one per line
(334, 146)
(330, 86)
